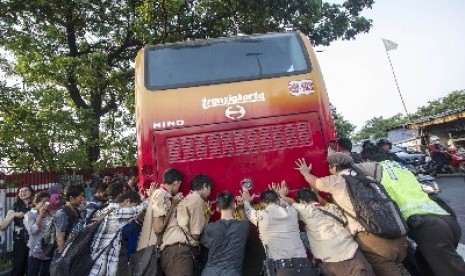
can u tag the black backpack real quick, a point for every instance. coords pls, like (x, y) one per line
(76, 259)
(373, 207)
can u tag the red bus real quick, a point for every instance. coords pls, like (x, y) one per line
(238, 108)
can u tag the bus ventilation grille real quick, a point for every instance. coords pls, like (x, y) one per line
(235, 142)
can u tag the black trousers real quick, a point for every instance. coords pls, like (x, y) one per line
(20, 256)
(37, 267)
(437, 238)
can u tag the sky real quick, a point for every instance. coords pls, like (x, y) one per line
(429, 61)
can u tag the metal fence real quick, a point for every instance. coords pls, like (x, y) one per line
(7, 236)
(11, 179)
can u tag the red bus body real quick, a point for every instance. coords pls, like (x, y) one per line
(236, 130)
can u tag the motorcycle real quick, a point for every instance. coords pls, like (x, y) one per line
(457, 162)
(428, 184)
(450, 163)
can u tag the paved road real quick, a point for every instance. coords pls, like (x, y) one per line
(453, 192)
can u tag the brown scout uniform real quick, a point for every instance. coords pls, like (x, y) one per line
(159, 205)
(178, 245)
(383, 254)
(331, 242)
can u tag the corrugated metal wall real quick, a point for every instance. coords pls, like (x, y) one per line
(10, 181)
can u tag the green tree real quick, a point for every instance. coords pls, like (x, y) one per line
(377, 127)
(84, 50)
(36, 127)
(343, 127)
(456, 99)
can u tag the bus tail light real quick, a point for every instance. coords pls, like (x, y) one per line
(147, 170)
(147, 184)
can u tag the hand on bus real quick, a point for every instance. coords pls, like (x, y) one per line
(246, 197)
(209, 211)
(153, 187)
(273, 186)
(239, 202)
(283, 189)
(302, 166)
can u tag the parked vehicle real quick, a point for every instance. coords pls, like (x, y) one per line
(455, 165)
(412, 158)
(428, 184)
(457, 162)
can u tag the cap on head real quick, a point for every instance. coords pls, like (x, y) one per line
(339, 158)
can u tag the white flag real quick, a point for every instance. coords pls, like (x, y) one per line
(389, 44)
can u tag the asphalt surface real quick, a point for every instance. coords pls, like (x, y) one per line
(453, 192)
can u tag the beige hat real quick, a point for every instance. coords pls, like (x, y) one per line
(339, 158)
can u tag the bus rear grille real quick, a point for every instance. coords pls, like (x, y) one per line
(236, 142)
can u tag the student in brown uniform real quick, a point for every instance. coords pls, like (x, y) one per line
(162, 203)
(182, 235)
(384, 255)
(329, 240)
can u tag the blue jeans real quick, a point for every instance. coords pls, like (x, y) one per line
(38, 267)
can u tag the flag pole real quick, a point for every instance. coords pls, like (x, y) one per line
(395, 78)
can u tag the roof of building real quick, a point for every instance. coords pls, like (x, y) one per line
(440, 118)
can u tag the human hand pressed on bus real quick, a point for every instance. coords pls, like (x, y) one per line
(283, 189)
(246, 197)
(209, 210)
(239, 202)
(273, 186)
(153, 187)
(302, 166)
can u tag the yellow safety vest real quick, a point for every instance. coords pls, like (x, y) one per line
(404, 189)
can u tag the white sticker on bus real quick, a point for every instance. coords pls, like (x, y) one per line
(166, 124)
(302, 87)
(233, 100)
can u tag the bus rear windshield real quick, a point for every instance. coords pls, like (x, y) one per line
(224, 60)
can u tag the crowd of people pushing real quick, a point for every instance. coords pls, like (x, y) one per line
(178, 225)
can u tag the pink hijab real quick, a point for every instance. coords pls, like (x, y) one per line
(53, 198)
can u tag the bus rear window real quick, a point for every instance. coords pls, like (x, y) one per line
(224, 60)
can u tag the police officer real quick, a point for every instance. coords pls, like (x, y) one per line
(435, 231)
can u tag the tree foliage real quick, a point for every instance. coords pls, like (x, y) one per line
(377, 127)
(81, 52)
(455, 99)
(343, 127)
